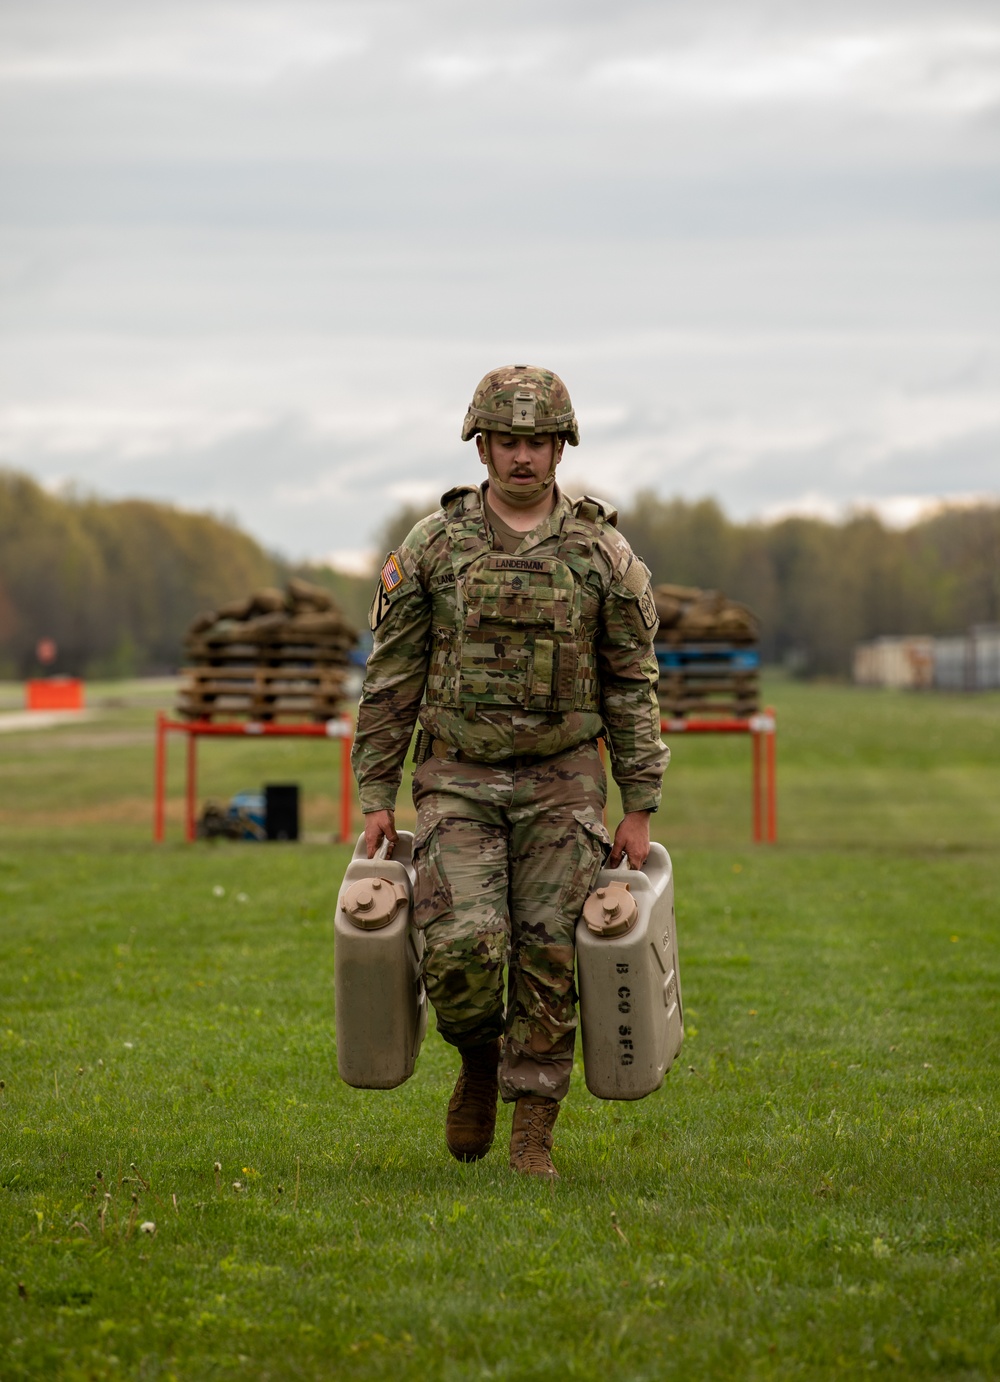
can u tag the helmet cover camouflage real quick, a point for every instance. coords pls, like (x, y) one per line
(524, 400)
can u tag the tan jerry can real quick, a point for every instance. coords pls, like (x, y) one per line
(381, 1007)
(629, 980)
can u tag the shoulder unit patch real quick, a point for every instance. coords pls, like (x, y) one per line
(648, 609)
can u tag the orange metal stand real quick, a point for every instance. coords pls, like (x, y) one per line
(763, 731)
(340, 728)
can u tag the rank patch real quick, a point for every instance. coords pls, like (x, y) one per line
(392, 574)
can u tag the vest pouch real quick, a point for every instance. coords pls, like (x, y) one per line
(566, 685)
(549, 608)
(442, 670)
(495, 669)
(542, 667)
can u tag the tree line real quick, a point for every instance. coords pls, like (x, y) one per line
(116, 583)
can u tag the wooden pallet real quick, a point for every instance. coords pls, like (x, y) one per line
(333, 649)
(285, 708)
(679, 637)
(678, 708)
(257, 691)
(707, 677)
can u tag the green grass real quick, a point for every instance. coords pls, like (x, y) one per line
(814, 1192)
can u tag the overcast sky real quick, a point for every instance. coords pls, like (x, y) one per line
(255, 256)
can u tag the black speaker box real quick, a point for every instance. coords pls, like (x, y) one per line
(281, 810)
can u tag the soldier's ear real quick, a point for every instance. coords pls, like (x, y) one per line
(560, 443)
(481, 447)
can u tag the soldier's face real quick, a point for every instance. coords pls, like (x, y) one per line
(520, 460)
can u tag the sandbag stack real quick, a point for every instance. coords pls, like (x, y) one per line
(275, 656)
(707, 653)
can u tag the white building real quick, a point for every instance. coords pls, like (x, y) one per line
(903, 662)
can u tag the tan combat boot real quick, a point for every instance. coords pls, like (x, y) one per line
(472, 1109)
(531, 1136)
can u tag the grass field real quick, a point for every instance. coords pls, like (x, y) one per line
(814, 1193)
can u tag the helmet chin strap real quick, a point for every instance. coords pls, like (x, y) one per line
(520, 496)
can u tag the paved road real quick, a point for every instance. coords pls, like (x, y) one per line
(13, 720)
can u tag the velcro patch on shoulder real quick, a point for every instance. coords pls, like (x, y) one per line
(636, 581)
(636, 577)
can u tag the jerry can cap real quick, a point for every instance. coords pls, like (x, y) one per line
(611, 910)
(371, 903)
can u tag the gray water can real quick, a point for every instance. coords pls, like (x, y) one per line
(629, 980)
(380, 1003)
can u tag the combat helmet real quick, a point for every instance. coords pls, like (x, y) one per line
(524, 400)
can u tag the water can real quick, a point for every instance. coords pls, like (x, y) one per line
(381, 1006)
(627, 973)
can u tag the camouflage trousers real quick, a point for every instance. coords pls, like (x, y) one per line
(505, 857)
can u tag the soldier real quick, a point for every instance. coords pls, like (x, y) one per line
(517, 625)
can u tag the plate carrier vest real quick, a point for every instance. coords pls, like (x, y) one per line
(515, 631)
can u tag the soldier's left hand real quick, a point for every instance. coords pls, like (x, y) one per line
(631, 838)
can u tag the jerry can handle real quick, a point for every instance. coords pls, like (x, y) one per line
(382, 855)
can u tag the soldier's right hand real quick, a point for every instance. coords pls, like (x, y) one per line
(379, 826)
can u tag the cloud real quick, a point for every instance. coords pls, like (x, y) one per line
(949, 69)
(458, 70)
(206, 44)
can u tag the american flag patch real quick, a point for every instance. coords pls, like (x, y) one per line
(391, 574)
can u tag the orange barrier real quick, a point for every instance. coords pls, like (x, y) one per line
(763, 729)
(53, 693)
(340, 728)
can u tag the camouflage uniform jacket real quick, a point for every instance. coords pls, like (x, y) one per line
(416, 611)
